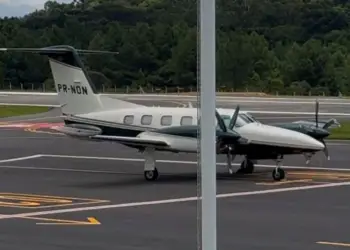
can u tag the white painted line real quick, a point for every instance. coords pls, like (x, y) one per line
(21, 158)
(69, 170)
(169, 201)
(28, 93)
(29, 104)
(182, 162)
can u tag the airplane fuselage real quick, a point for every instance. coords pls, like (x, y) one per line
(263, 141)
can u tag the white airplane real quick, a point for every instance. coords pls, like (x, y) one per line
(91, 116)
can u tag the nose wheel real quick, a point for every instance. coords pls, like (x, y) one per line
(278, 173)
(151, 175)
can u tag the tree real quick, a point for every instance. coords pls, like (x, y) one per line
(283, 46)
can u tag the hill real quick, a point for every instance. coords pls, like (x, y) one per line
(267, 45)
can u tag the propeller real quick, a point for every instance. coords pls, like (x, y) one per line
(223, 127)
(316, 112)
(325, 150)
(234, 118)
(324, 127)
(220, 121)
(232, 123)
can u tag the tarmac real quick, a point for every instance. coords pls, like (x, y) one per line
(57, 192)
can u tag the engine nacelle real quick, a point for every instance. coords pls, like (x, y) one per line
(80, 130)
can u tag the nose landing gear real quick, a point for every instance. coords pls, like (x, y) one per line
(278, 173)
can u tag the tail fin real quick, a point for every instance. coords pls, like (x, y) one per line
(76, 92)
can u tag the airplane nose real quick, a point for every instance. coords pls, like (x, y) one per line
(314, 144)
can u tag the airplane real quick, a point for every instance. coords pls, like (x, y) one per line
(91, 116)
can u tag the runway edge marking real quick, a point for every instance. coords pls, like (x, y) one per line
(169, 201)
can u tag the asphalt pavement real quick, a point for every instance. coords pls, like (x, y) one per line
(57, 192)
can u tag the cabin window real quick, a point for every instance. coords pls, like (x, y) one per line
(166, 120)
(186, 120)
(146, 120)
(129, 119)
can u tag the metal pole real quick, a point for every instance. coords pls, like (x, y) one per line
(207, 124)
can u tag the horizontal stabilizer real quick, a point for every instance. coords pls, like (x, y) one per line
(133, 141)
(56, 50)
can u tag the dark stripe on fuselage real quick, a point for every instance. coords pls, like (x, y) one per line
(259, 151)
(111, 131)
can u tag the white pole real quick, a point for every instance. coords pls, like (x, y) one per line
(207, 124)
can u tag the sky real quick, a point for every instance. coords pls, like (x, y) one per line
(21, 7)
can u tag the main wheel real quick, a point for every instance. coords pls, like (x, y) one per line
(151, 175)
(278, 174)
(248, 169)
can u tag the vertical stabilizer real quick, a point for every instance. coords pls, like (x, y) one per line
(76, 92)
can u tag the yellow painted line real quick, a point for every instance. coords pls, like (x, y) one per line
(20, 200)
(327, 177)
(19, 204)
(338, 174)
(50, 196)
(38, 199)
(333, 243)
(90, 221)
(283, 182)
(34, 130)
(72, 204)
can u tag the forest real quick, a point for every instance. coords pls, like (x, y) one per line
(284, 46)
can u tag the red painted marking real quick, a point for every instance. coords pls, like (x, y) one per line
(29, 125)
(15, 125)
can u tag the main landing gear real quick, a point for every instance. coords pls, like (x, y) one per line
(247, 167)
(150, 170)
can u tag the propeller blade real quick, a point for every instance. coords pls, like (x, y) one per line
(220, 121)
(234, 118)
(316, 112)
(326, 150)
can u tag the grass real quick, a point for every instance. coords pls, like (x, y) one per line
(342, 133)
(9, 111)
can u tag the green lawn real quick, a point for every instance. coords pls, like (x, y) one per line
(8, 111)
(342, 133)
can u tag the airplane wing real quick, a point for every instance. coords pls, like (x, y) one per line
(133, 141)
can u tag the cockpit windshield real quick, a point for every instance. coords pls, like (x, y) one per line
(242, 119)
(249, 117)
